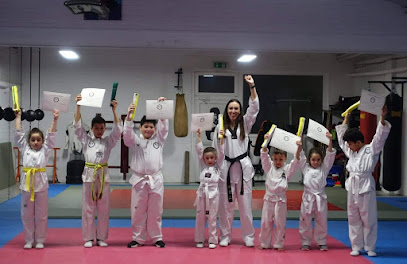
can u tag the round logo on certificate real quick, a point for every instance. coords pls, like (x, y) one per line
(91, 144)
(372, 100)
(319, 129)
(286, 138)
(202, 120)
(56, 99)
(159, 107)
(91, 94)
(367, 150)
(156, 145)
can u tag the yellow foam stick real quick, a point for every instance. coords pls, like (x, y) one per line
(135, 102)
(14, 91)
(267, 140)
(221, 125)
(351, 108)
(301, 126)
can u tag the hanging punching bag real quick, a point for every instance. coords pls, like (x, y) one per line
(368, 124)
(180, 117)
(392, 148)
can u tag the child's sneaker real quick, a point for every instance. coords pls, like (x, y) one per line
(39, 246)
(305, 247)
(371, 253)
(249, 243)
(133, 244)
(279, 248)
(355, 253)
(101, 243)
(28, 246)
(200, 245)
(160, 244)
(224, 243)
(88, 244)
(323, 248)
(212, 245)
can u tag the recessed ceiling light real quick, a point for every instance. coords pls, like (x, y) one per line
(208, 76)
(246, 58)
(69, 54)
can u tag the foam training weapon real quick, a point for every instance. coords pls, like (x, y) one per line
(135, 102)
(267, 140)
(351, 108)
(16, 106)
(115, 84)
(301, 126)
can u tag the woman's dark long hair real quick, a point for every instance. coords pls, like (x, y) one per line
(239, 120)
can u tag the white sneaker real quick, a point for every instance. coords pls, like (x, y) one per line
(200, 245)
(101, 243)
(212, 245)
(371, 253)
(39, 246)
(88, 244)
(224, 243)
(249, 243)
(28, 246)
(355, 253)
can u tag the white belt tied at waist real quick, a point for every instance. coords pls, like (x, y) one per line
(203, 190)
(149, 177)
(314, 197)
(355, 182)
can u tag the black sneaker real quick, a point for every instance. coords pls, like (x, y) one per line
(133, 244)
(160, 244)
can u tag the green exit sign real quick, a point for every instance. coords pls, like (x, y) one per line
(219, 65)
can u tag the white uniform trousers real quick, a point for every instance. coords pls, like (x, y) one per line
(201, 217)
(320, 223)
(34, 216)
(226, 209)
(89, 208)
(273, 213)
(362, 219)
(146, 210)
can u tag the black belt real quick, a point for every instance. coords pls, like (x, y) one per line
(238, 158)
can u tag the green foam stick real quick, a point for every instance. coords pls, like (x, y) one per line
(115, 84)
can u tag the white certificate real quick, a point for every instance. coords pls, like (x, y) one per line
(92, 97)
(371, 102)
(59, 101)
(317, 131)
(284, 140)
(159, 110)
(202, 121)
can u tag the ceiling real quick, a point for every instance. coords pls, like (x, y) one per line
(334, 26)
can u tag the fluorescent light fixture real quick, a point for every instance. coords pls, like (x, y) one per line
(208, 76)
(246, 58)
(69, 54)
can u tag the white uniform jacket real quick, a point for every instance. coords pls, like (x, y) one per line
(147, 154)
(237, 147)
(35, 159)
(361, 164)
(315, 180)
(277, 179)
(96, 150)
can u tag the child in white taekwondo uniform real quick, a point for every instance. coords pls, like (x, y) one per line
(34, 180)
(95, 176)
(237, 174)
(314, 199)
(362, 207)
(275, 200)
(207, 195)
(147, 179)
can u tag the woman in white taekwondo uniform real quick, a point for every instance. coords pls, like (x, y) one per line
(237, 174)
(95, 176)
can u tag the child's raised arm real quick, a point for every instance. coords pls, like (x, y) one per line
(54, 121)
(78, 108)
(18, 119)
(198, 136)
(299, 149)
(114, 104)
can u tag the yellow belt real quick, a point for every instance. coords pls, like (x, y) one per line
(97, 167)
(29, 182)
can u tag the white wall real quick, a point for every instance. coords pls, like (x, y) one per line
(151, 73)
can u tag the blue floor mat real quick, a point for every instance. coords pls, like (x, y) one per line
(399, 202)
